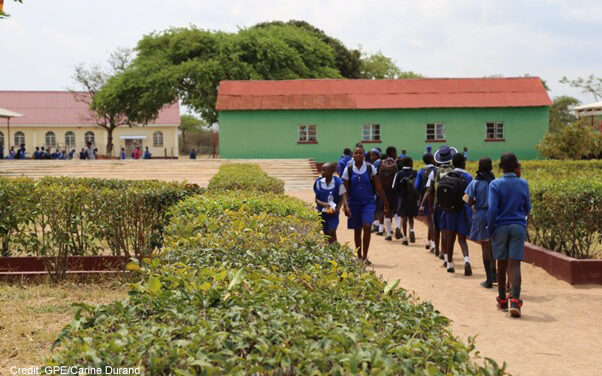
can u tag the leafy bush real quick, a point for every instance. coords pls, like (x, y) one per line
(245, 177)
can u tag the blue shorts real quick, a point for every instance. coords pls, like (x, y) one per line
(508, 241)
(457, 221)
(361, 215)
(478, 231)
(437, 218)
(330, 222)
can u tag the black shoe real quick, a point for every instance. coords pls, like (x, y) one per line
(397, 233)
(380, 233)
(412, 237)
(374, 228)
(441, 255)
(427, 246)
(515, 305)
(405, 242)
(487, 284)
(451, 270)
(467, 269)
(445, 264)
(388, 238)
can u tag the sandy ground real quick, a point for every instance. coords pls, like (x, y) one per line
(560, 332)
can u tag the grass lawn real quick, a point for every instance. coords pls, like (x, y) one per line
(32, 315)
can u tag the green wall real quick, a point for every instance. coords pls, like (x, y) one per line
(273, 134)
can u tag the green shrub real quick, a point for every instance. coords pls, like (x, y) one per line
(245, 177)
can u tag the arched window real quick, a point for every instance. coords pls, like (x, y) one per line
(70, 139)
(89, 137)
(1, 138)
(50, 139)
(158, 139)
(19, 138)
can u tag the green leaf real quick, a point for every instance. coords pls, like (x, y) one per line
(237, 279)
(391, 286)
(154, 285)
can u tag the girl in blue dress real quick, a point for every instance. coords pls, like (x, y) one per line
(329, 192)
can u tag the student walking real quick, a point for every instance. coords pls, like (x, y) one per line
(343, 161)
(122, 154)
(509, 205)
(361, 185)
(421, 178)
(147, 154)
(404, 187)
(456, 218)
(386, 175)
(477, 196)
(378, 223)
(330, 192)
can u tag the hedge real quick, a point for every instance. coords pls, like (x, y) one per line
(246, 285)
(244, 177)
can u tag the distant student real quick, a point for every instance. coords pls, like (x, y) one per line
(82, 153)
(122, 154)
(147, 154)
(11, 153)
(386, 175)
(456, 218)
(477, 196)
(36, 154)
(443, 158)
(136, 153)
(404, 186)
(421, 179)
(192, 154)
(90, 154)
(465, 153)
(72, 154)
(330, 192)
(21, 152)
(509, 205)
(377, 224)
(403, 154)
(374, 157)
(361, 185)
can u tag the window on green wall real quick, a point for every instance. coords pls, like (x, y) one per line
(495, 131)
(435, 132)
(371, 132)
(307, 133)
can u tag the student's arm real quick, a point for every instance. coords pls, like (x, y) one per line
(342, 195)
(345, 198)
(469, 194)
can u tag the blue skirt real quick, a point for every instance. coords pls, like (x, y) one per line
(459, 221)
(478, 231)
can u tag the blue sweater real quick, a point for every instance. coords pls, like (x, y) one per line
(509, 201)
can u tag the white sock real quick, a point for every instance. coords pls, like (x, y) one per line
(432, 244)
(467, 259)
(445, 257)
(380, 228)
(397, 221)
(405, 238)
(388, 226)
(426, 242)
(376, 222)
(450, 265)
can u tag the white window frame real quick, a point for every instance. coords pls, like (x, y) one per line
(50, 135)
(435, 132)
(67, 141)
(21, 138)
(157, 139)
(89, 136)
(497, 130)
(371, 132)
(307, 133)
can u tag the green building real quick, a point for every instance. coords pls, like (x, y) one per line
(319, 118)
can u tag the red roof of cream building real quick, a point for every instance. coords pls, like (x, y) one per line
(61, 108)
(318, 94)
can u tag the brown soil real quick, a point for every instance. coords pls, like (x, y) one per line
(560, 332)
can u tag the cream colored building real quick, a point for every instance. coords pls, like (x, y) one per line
(54, 119)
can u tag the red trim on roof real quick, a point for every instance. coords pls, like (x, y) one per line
(61, 108)
(382, 94)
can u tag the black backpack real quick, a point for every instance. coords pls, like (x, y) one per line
(450, 191)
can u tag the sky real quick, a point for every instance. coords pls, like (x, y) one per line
(43, 40)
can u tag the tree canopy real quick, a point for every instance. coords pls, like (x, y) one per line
(561, 114)
(574, 141)
(379, 66)
(2, 13)
(589, 85)
(188, 64)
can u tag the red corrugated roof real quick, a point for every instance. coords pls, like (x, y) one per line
(61, 108)
(381, 94)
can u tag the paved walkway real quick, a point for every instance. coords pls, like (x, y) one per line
(560, 332)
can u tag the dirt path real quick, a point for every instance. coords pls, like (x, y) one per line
(560, 332)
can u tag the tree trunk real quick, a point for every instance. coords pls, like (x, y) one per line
(185, 150)
(110, 141)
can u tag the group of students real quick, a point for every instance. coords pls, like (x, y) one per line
(376, 190)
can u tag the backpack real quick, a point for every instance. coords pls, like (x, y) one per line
(386, 173)
(423, 181)
(450, 191)
(405, 187)
(350, 172)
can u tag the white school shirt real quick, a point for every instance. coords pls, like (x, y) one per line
(325, 186)
(359, 171)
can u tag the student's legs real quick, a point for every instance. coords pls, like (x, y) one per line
(366, 244)
(388, 227)
(357, 237)
(463, 244)
(332, 236)
(411, 221)
(488, 264)
(404, 225)
(450, 237)
(502, 265)
(515, 277)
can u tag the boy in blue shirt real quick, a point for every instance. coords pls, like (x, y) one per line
(330, 192)
(477, 194)
(343, 160)
(421, 179)
(509, 205)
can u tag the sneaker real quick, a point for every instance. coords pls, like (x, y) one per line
(388, 238)
(397, 233)
(441, 255)
(412, 237)
(451, 270)
(405, 242)
(380, 233)
(374, 228)
(467, 269)
(515, 305)
(444, 264)
(487, 284)
(367, 262)
(502, 304)
(427, 245)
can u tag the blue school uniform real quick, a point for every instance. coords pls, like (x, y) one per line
(361, 199)
(419, 177)
(343, 160)
(458, 221)
(509, 204)
(478, 190)
(330, 222)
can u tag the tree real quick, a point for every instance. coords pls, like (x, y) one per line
(379, 66)
(108, 114)
(2, 14)
(574, 141)
(190, 124)
(561, 114)
(590, 85)
(189, 63)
